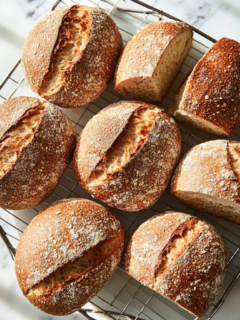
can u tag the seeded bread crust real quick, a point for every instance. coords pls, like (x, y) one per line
(208, 169)
(194, 278)
(149, 46)
(59, 234)
(90, 72)
(40, 165)
(141, 180)
(212, 90)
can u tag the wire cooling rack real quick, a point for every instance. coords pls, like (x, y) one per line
(123, 296)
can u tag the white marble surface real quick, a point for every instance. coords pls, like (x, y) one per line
(16, 18)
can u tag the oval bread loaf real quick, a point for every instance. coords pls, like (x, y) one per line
(67, 253)
(126, 154)
(208, 179)
(70, 55)
(151, 60)
(179, 256)
(209, 99)
(37, 142)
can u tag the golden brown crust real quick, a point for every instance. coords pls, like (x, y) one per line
(149, 46)
(159, 236)
(90, 72)
(41, 164)
(58, 235)
(12, 110)
(194, 278)
(207, 169)
(110, 121)
(207, 179)
(144, 177)
(78, 293)
(37, 50)
(212, 90)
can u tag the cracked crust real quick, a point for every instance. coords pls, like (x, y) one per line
(87, 71)
(179, 256)
(67, 253)
(38, 164)
(126, 154)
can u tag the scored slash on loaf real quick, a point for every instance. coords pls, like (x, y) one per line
(209, 99)
(70, 55)
(37, 141)
(179, 256)
(126, 154)
(66, 255)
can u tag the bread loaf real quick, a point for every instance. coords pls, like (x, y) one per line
(67, 253)
(37, 142)
(151, 60)
(207, 179)
(70, 55)
(126, 154)
(179, 256)
(209, 99)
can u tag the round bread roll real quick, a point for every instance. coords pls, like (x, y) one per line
(70, 55)
(179, 256)
(37, 142)
(208, 179)
(66, 255)
(126, 154)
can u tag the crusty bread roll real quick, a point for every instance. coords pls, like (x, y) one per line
(209, 99)
(207, 179)
(37, 142)
(179, 256)
(70, 55)
(151, 60)
(67, 253)
(126, 154)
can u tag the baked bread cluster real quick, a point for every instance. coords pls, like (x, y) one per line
(124, 157)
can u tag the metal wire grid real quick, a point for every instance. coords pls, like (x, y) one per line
(123, 296)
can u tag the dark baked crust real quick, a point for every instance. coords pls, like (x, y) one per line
(90, 73)
(61, 233)
(41, 164)
(194, 278)
(212, 90)
(142, 180)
